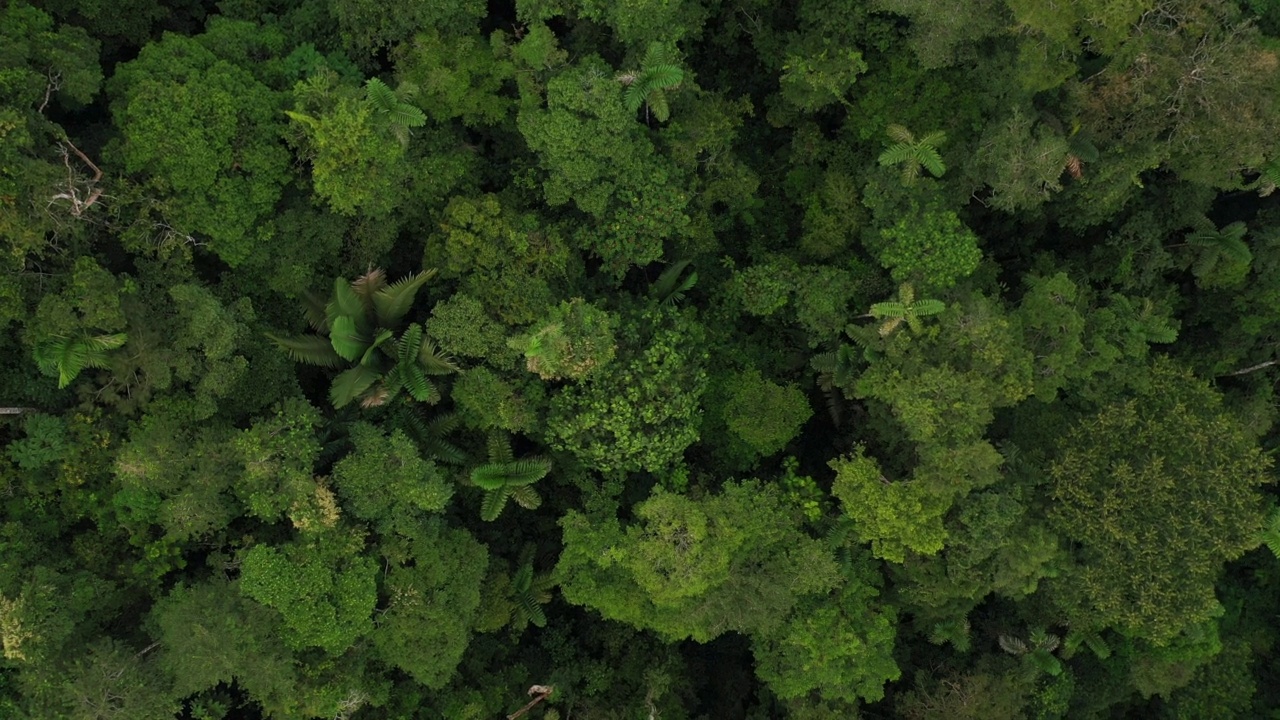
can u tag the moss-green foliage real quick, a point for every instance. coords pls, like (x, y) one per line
(764, 414)
(804, 360)
(932, 247)
(432, 602)
(205, 133)
(1168, 450)
(322, 586)
(613, 420)
(696, 568)
(386, 479)
(574, 341)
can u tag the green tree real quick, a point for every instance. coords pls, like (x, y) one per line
(386, 481)
(321, 584)
(1220, 257)
(432, 600)
(764, 414)
(575, 340)
(932, 247)
(733, 561)
(1121, 478)
(642, 411)
(203, 136)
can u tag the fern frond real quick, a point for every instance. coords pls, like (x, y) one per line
(1271, 533)
(900, 134)
(493, 503)
(303, 118)
(349, 384)
(498, 444)
(379, 95)
(392, 302)
(309, 349)
(661, 77)
(897, 154)
(526, 497)
(931, 160)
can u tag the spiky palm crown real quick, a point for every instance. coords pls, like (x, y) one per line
(357, 325)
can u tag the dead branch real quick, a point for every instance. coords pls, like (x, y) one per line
(72, 194)
(541, 691)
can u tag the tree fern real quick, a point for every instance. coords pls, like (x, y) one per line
(504, 477)
(391, 111)
(1271, 533)
(1215, 248)
(905, 309)
(911, 154)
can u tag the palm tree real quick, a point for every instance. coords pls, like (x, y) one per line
(357, 325)
(506, 477)
(64, 356)
(912, 154)
(658, 73)
(905, 309)
(1036, 651)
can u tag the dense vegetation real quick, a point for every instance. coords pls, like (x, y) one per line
(689, 358)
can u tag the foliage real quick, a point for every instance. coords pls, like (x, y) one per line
(912, 155)
(933, 247)
(574, 341)
(1170, 446)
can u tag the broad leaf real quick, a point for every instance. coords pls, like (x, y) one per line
(346, 339)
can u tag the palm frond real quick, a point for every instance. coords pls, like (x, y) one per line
(309, 349)
(927, 307)
(379, 95)
(498, 445)
(657, 54)
(350, 383)
(526, 497)
(493, 503)
(1012, 645)
(313, 308)
(434, 361)
(530, 609)
(408, 345)
(932, 140)
(1271, 533)
(406, 115)
(104, 343)
(392, 302)
(661, 77)
(633, 97)
(367, 285)
(666, 284)
(888, 310)
(658, 105)
(417, 384)
(344, 301)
